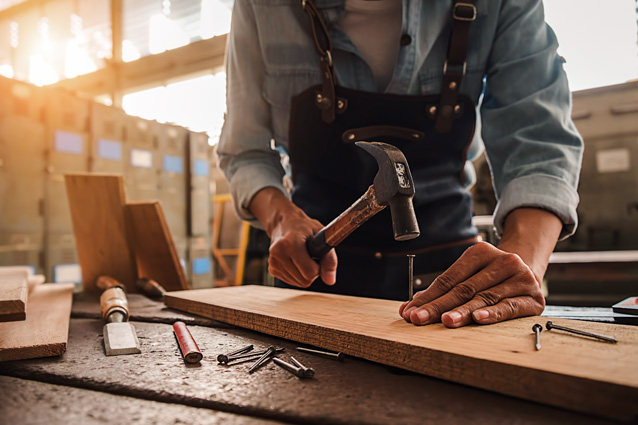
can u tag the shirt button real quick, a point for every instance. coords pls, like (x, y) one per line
(406, 39)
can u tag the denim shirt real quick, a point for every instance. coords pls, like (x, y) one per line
(514, 76)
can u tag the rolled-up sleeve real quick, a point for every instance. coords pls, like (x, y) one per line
(245, 154)
(532, 145)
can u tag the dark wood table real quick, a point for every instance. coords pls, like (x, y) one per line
(156, 387)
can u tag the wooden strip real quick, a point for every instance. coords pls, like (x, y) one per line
(13, 299)
(155, 251)
(45, 331)
(569, 371)
(97, 209)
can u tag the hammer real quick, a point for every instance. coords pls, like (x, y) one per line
(392, 186)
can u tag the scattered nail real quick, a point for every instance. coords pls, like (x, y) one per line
(263, 359)
(537, 329)
(328, 354)
(549, 325)
(225, 358)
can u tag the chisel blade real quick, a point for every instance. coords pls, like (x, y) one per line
(120, 338)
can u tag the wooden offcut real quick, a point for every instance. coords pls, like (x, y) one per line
(153, 245)
(572, 372)
(45, 331)
(97, 204)
(13, 299)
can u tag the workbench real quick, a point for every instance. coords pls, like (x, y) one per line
(84, 386)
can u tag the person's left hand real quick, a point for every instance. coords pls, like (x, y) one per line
(485, 285)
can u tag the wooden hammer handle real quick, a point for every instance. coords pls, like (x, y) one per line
(347, 222)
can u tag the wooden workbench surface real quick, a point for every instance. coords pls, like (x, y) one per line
(84, 386)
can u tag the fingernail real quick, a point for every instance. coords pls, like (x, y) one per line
(332, 278)
(423, 315)
(481, 314)
(455, 316)
(407, 312)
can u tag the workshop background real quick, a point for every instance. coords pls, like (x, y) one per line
(136, 87)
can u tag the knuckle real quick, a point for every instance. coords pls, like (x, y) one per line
(510, 308)
(510, 260)
(445, 281)
(488, 297)
(435, 310)
(464, 291)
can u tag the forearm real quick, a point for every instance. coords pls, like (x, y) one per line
(531, 233)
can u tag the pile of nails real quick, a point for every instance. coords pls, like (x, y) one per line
(296, 368)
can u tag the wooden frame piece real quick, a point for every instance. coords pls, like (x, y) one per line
(571, 372)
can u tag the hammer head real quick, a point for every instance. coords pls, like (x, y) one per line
(394, 186)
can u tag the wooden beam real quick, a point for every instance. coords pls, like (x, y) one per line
(199, 58)
(571, 372)
(22, 7)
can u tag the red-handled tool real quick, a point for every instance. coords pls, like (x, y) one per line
(187, 345)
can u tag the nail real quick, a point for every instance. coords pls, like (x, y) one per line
(411, 276)
(549, 325)
(263, 359)
(423, 315)
(537, 329)
(307, 371)
(455, 316)
(255, 354)
(481, 314)
(225, 358)
(290, 368)
(328, 354)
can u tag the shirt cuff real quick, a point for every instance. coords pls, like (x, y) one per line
(245, 184)
(539, 191)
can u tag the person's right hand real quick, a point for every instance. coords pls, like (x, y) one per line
(289, 228)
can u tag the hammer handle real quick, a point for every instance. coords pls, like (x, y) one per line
(339, 228)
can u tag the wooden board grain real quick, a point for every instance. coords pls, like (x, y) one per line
(97, 204)
(45, 331)
(153, 245)
(13, 299)
(569, 371)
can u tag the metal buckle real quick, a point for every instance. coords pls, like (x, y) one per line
(456, 66)
(464, 12)
(329, 57)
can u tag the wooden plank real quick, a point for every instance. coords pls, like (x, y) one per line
(152, 242)
(45, 331)
(97, 209)
(569, 371)
(13, 299)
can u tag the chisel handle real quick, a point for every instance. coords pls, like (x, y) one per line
(150, 288)
(106, 282)
(112, 300)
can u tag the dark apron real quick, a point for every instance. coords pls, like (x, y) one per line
(329, 173)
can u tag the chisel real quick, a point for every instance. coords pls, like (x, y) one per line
(119, 335)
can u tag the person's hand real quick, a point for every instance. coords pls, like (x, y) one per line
(485, 285)
(289, 228)
(488, 284)
(289, 259)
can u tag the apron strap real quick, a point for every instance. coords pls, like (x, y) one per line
(323, 43)
(463, 12)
